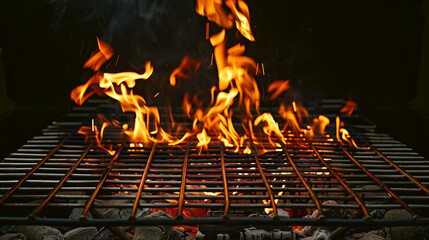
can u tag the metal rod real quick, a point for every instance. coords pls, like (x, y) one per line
(114, 229)
(339, 179)
(214, 220)
(224, 181)
(401, 170)
(183, 184)
(298, 173)
(391, 193)
(23, 179)
(103, 179)
(264, 179)
(142, 180)
(62, 181)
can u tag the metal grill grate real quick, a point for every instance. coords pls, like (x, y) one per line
(56, 172)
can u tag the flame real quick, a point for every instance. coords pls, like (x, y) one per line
(91, 135)
(318, 127)
(349, 107)
(343, 135)
(203, 139)
(240, 10)
(271, 127)
(186, 69)
(98, 59)
(119, 86)
(278, 87)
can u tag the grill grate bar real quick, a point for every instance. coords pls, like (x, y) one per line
(181, 180)
(402, 171)
(339, 179)
(264, 179)
(34, 169)
(301, 177)
(224, 181)
(183, 184)
(103, 179)
(142, 181)
(378, 181)
(60, 184)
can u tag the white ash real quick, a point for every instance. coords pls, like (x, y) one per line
(40, 232)
(13, 236)
(153, 232)
(319, 234)
(179, 234)
(402, 232)
(81, 233)
(256, 234)
(310, 230)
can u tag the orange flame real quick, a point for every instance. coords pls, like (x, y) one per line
(186, 69)
(349, 107)
(278, 87)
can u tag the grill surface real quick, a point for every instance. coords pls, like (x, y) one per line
(55, 172)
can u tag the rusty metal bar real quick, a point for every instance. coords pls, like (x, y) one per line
(142, 180)
(401, 170)
(298, 173)
(62, 181)
(103, 179)
(34, 169)
(391, 193)
(339, 179)
(224, 180)
(264, 179)
(183, 184)
(114, 229)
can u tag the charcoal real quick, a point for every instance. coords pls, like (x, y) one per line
(153, 232)
(40, 232)
(82, 233)
(106, 234)
(179, 234)
(281, 213)
(121, 213)
(13, 236)
(320, 234)
(402, 232)
(260, 234)
(76, 213)
(327, 212)
(374, 235)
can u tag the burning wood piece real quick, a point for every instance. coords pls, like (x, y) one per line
(82, 233)
(153, 232)
(13, 236)
(40, 232)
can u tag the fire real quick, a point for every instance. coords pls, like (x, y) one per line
(239, 14)
(186, 69)
(343, 135)
(271, 127)
(236, 87)
(278, 87)
(349, 107)
(92, 134)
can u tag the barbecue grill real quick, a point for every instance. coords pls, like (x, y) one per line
(56, 172)
(64, 178)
